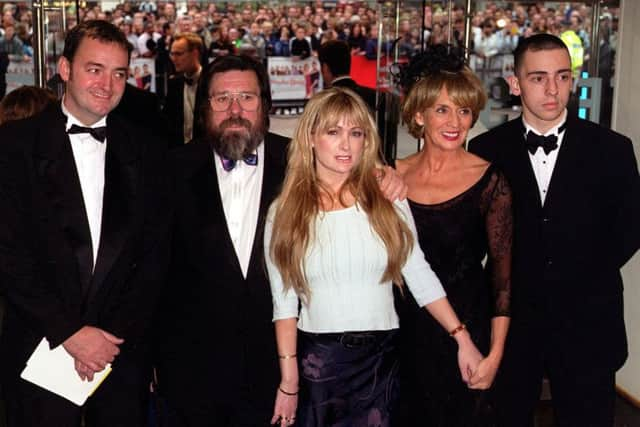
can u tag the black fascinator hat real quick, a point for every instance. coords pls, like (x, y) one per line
(440, 58)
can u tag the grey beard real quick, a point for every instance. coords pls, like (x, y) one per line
(236, 145)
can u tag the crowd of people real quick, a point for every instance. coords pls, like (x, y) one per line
(299, 29)
(302, 282)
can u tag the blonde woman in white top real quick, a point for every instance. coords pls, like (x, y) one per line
(334, 245)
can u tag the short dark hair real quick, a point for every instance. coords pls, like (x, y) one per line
(222, 64)
(94, 29)
(535, 43)
(25, 101)
(337, 55)
(193, 40)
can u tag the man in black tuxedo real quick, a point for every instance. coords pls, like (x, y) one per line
(83, 237)
(335, 66)
(182, 102)
(576, 197)
(217, 358)
(218, 362)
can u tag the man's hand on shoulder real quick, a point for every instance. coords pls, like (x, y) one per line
(92, 348)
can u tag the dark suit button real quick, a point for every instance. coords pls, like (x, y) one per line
(546, 219)
(549, 262)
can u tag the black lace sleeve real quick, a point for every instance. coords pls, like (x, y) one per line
(499, 224)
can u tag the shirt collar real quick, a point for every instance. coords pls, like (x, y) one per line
(195, 76)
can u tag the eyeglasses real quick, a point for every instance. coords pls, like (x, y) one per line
(246, 100)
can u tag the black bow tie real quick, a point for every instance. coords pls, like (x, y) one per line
(98, 133)
(548, 143)
(189, 81)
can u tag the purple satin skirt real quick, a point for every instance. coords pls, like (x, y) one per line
(347, 380)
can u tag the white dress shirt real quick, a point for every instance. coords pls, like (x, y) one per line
(240, 190)
(542, 163)
(343, 265)
(89, 156)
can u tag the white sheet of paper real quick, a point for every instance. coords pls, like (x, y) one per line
(54, 370)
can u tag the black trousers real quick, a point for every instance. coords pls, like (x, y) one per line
(580, 397)
(121, 400)
(198, 399)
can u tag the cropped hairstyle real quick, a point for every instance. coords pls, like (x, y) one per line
(337, 55)
(193, 41)
(94, 29)
(535, 43)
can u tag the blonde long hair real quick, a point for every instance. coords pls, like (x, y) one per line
(298, 204)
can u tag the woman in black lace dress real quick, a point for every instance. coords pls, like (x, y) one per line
(462, 209)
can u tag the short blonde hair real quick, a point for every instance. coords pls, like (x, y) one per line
(464, 87)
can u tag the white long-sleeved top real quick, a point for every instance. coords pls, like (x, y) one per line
(344, 265)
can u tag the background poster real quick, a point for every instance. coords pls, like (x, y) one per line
(293, 79)
(142, 73)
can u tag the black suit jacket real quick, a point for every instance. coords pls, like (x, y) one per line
(217, 338)
(567, 253)
(143, 108)
(46, 261)
(174, 112)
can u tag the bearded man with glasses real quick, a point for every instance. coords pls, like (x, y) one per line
(217, 358)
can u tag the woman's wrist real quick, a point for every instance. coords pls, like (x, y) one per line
(496, 354)
(289, 383)
(462, 337)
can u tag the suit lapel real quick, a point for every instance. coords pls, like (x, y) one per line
(56, 170)
(527, 183)
(180, 106)
(212, 218)
(565, 167)
(272, 178)
(119, 200)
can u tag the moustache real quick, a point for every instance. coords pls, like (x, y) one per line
(235, 121)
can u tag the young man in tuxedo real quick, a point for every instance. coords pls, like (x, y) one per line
(576, 197)
(217, 358)
(84, 217)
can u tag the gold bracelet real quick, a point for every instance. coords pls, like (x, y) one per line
(287, 392)
(287, 356)
(457, 329)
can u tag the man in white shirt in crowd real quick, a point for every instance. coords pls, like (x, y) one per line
(146, 40)
(182, 100)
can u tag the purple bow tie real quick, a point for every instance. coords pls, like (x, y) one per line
(229, 164)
